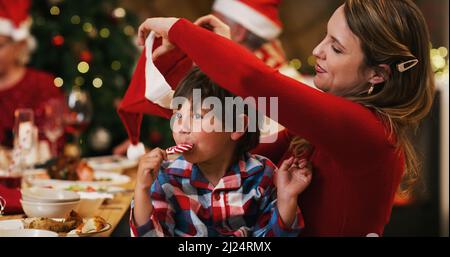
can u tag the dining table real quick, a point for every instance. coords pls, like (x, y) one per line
(112, 210)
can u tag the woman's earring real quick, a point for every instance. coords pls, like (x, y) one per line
(370, 89)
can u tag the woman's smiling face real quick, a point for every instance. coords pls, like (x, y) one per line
(339, 59)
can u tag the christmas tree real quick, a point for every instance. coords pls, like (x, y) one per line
(91, 45)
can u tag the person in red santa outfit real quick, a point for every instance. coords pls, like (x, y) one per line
(256, 25)
(20, 86)
(375, 72)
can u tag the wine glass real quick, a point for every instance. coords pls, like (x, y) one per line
(79, 113)
(23, 128)
(53, 122)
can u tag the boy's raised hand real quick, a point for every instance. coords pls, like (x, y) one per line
(148, 168)
(293, 177)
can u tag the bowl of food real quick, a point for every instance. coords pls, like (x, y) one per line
(88, 206)
(48, 210)
(65, 172)
(69, 168)
(48, 195)
(72, 225)
(90, 202)
(90, 198)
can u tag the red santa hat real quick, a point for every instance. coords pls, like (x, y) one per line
(15, 21)
(151, 90)
(259, 16)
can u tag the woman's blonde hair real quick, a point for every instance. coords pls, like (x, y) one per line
(392, 32)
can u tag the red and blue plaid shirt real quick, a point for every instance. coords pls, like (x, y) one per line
(243, 203)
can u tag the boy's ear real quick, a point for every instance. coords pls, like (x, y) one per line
(241, 128)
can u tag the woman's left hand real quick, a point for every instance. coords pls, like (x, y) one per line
(161, 27)
(215, 25)
(293, 177)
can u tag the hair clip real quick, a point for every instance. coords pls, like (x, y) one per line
(404, 66)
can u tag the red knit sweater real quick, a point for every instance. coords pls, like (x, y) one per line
(357, 169)
(31, 91)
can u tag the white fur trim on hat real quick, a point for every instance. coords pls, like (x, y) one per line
(248, 17)
(17, 34)
(135, 151)
(157, 89)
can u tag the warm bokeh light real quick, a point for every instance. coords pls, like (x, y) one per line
(83, 67)
(116, 65)
(79, 81)
(295, 63)
(119, 12)
(59, 82)
(75, 19)
(104, 33)
(128, 30)
(87, 27)
(97, 82)
(54, 10)
(311, 60)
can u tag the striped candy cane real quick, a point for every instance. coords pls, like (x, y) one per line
(181, 148)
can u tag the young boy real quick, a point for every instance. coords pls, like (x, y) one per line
(217, 188)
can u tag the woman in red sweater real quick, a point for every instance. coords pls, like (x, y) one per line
(374, 68)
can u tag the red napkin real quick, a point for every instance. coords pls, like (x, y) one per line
(12, 197)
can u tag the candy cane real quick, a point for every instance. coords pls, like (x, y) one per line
(181, 148)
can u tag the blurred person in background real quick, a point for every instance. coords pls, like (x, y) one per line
(20, 86)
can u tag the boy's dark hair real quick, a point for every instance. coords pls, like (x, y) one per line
(196, 79)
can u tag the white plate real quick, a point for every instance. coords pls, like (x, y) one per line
(112, 179)
(97, 189)
(18, 224)
(111, 163)
(83, 189)
(27, 233)
(11, 224)
(48, 195)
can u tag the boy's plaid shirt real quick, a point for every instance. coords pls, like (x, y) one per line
(243, 203)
